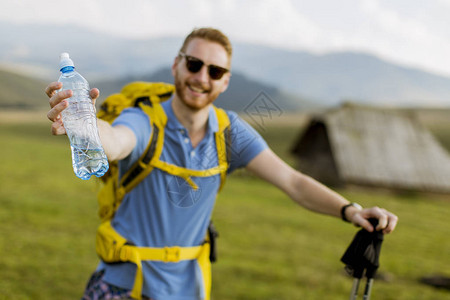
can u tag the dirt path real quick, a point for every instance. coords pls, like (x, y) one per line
(10, 116)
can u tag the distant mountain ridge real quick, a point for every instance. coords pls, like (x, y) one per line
(324, 79)
(338, 76)
(241, 93)
(27, 93)
(21, 92)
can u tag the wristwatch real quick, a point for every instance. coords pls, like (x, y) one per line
(344, 208)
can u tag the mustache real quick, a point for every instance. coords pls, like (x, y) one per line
(200, 85)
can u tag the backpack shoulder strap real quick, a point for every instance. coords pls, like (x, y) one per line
(142, 166)
(132, 95)
(223, 143)
(150, 159)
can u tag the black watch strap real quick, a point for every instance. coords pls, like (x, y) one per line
(344, 208)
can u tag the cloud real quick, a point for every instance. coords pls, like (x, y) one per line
(412, 32)
(265, 21)
(402, 36)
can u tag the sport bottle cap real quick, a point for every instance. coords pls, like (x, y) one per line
(65, 61)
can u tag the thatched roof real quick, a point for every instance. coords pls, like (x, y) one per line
(373, 146)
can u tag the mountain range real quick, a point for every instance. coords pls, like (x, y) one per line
(297, 79)
(18, 91)
(241, 93)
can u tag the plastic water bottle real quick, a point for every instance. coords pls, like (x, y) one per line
(80, 122)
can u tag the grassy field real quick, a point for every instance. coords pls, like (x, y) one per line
(268, 247)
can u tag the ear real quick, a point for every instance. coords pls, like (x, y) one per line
(226, 82)
(174, 65)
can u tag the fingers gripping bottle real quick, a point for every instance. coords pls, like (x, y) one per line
(80, 122)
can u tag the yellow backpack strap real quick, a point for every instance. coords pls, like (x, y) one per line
(132, 94)
(222, 141)
(142, 167)
(112, 247)
(223, 144)
(186, 174)
(150, 157)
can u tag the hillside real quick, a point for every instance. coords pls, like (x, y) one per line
(327, 78)
(241, 93)
(21, 92)
(334, 77)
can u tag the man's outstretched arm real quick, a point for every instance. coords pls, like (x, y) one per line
(315, 196)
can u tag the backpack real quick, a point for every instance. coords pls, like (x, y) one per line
(110, 245)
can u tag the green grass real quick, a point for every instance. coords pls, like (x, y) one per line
(269, 248)
(48, 217)
(276, 250)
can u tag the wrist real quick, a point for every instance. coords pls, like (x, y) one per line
(348, 210)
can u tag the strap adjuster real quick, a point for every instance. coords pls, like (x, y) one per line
(120, 192)
(125, 253)
(171, 254)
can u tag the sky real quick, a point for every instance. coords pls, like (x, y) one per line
(413, 33)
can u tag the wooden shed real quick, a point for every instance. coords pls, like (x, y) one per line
(373, 146)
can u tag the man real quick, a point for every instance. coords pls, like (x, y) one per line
(152, 215)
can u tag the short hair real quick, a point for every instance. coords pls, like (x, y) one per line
(209, 34)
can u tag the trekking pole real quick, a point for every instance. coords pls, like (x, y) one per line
(357, 275)
(363, 255)
(368, 289)
(371, 268)
(355, 287)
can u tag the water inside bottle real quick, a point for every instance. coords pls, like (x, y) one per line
(88, 162)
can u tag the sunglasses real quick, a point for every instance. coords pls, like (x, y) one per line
(194, 65)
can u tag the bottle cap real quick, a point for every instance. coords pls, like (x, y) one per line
(65, 61)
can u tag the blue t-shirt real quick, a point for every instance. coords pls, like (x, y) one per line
(163, 210)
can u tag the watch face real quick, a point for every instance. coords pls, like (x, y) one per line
(357, 206)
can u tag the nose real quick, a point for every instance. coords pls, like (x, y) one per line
(202, 75)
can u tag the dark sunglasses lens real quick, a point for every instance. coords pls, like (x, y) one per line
(193, 65)
(216, 72)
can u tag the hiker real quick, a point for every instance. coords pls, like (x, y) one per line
(160, 247)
